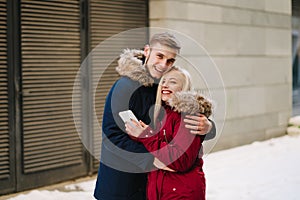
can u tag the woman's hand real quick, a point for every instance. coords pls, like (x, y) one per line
(135, 128)
(198, 124)
(160, 165)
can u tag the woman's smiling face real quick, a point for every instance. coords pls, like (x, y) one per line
(171, 82)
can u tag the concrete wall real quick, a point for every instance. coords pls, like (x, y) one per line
(250, 42)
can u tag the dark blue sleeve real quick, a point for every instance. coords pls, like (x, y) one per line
(212, 133)
(115, 139)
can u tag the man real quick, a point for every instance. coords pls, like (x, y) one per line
(123, 164)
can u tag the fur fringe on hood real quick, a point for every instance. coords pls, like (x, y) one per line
(131, 65)
(190, 102)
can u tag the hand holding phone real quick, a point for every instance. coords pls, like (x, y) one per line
(127, 116)
(134, 127)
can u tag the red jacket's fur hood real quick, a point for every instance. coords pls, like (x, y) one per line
(131, 65)
(190, 102)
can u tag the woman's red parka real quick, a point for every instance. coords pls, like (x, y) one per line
(176, 147)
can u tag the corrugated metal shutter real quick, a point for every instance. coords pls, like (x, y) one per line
(50, 44)
(4, 130)
(108, 18)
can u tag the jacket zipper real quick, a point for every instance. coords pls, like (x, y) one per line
(165, 135)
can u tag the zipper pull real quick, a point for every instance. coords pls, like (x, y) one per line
(165, 135)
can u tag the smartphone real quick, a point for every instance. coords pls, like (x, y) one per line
(127, 115)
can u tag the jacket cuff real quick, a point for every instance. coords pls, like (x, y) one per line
(212, 133)
(148, 132)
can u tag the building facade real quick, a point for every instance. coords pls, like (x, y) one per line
(43, 46)
(250, 42)
(42, 118)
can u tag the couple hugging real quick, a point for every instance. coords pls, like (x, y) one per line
(159, 156)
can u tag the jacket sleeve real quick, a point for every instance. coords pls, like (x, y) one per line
(179, 154)
(212, 133)
(115, 139)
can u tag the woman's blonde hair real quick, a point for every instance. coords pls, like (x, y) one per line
(186, 86)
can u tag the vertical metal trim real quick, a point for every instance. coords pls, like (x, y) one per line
(14, 86)
(86, 85)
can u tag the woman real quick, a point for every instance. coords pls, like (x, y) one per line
(171, 143)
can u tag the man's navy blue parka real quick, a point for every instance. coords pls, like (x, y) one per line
(124, 161)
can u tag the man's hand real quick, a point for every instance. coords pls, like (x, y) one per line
(198, 124)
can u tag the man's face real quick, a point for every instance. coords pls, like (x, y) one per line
(159, 59)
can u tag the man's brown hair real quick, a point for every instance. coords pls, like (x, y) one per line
(166, 39)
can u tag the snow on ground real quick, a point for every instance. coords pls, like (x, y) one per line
(78, 191)
(261, 171)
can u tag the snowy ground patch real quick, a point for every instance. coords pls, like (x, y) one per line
(262, 171)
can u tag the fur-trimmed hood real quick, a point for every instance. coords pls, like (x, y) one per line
(190, 102)
(131, 65)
